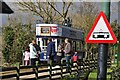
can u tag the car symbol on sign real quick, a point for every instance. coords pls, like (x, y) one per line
(101, 35)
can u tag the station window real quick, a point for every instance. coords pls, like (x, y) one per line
(78, 46)
(74, 46)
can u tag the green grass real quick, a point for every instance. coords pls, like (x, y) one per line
(93, 75)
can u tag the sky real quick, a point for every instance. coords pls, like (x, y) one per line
(4, 20)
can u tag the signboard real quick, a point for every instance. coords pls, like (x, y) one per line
(45, 30)
(54, 31)
(101, 32)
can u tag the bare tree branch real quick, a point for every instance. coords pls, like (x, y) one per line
(65, 14)
(55, 9)
(63, 8)
(46, 10)
(25, 4)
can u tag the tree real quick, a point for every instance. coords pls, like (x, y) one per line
(48, 11)
(114, 26)
(8, 36)
(85, 15)
(83, 18)
(16, 37)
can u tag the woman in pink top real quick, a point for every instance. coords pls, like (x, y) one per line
(26, 55)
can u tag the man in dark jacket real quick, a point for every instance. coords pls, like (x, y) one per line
(51, 50)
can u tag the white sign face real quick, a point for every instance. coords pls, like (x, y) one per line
(101, 31)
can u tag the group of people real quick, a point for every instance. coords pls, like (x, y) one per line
(32, 52)
(65, 50)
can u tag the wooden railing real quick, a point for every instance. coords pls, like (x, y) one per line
(17, 72)
(114, 74)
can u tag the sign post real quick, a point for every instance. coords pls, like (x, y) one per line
(103, 48)
(102, 33)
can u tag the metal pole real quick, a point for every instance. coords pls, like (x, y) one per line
(103, 48)
(102, 61)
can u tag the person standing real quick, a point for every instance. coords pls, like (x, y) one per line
(33, 53)
(51, 50)
(38, 49)
(60, 53)
(26, 55)
(67, 51)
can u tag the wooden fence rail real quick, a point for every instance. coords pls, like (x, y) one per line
(59, 72)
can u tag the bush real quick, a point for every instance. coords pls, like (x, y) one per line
(16, 38)
(8, 37)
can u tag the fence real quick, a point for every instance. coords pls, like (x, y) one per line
(115, 74)
(51, 73)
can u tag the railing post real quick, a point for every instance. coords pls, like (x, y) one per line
(77, 68)
(111, 76)
(18, 71)
(70, 66)
(36, 71)
(61, 66)
(50, 71)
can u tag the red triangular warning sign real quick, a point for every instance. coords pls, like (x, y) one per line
(101, 32)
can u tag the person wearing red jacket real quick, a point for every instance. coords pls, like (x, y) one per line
(75, 59)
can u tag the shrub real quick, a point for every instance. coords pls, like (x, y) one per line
(15, 39)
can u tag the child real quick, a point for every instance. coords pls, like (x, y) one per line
(26, 55)
(75, 58)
